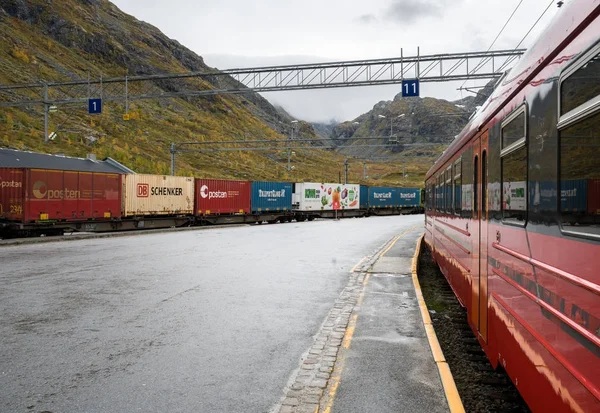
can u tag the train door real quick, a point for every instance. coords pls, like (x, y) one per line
(479, 286)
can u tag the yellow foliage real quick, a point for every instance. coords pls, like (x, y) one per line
(20, 54)
(9, 121)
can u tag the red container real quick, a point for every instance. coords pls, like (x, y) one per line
(43, 194)
(219, 197)
(593, 197)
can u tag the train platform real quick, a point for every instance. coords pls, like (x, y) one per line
(388, 358)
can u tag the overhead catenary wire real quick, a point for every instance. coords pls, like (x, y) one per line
(482, 61)
(510, 59)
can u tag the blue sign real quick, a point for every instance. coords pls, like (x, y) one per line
(94, 105)
(410, 88)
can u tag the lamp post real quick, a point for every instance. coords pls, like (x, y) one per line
(289, 150)
(391, 123)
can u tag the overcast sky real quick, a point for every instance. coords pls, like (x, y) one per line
(246, 33)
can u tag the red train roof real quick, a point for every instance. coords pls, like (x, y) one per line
(568, 22)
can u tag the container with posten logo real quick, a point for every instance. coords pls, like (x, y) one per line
(157, 195)
(271, 197)
(221, 197)
(28, 195)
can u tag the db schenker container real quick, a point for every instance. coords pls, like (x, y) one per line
(271, 196)
(157, 195)
(364, 197)
(28, 195)
(310, 196)
(383, 197)
(220, 197)
(409, 197)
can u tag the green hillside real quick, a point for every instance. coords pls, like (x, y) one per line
(58, 41)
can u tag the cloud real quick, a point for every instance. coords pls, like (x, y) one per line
(410, 11)
(367, 19)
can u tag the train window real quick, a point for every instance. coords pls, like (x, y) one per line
(514, 167)
(457, 187)
(467, 183)
(514, 129)
(449, 190)
(580, 87)
(475, 186)
(579, 139)
(484, 185)
(438, 195)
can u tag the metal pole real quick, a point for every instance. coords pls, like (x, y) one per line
(346, 172)
(401, 64)
(364, 170)
(289, 149)
(418, 65)
(46, 108)
(172, 158)
(126, 97)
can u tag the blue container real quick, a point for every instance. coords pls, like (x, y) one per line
(364, 197)
(383, 197)
(543, 196)
(409, 197)
(271, 197)
(573, 195)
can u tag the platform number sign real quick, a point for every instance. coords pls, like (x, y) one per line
(410, 87)
(94, 106)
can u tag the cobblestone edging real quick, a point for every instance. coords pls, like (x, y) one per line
(307, 385)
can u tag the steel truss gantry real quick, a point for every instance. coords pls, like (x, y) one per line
(426, 68)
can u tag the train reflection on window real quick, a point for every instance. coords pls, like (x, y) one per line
(514, 177)
(580, 175)
(514, 167)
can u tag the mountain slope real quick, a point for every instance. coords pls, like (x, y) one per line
(57, 41)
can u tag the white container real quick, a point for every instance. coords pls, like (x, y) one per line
(309, 196)
(157, 195)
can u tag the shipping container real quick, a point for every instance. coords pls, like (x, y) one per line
(383, 197)
(573, 195)
(54, 195)
(593, 193)
(409, 197)
(364, 197)
(271, 196)
(310, 196)
(157, 195)
(220, 197)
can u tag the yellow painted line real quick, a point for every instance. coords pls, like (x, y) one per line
(336, 378)
(397, 238)
(452, 396)
(356, 266)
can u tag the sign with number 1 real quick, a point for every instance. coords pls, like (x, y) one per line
(94, 105)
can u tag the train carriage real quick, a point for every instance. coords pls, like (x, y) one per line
(513, 217)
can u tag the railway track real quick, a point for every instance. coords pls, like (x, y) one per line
(481, 388)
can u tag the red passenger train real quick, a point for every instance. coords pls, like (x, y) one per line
(513, 217)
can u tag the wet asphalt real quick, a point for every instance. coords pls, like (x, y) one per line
(196, 321)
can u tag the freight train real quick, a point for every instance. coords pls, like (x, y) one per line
(512, 217)
(46, 194)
